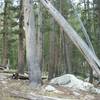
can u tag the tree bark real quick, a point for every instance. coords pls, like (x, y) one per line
(40, 37)
(51, 68)
(5, 34)
(21, 49)
(67, 56)
(52, 50)
(31, 49)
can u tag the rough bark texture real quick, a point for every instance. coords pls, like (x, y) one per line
(52, 50)
(72, 34)
(21, 49)
(40, 36)
(67, 57)
(31, 50)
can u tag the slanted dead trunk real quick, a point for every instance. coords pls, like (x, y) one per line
(72, 34)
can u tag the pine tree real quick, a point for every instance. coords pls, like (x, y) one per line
(31, 47)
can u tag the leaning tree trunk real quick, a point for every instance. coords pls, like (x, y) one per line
(76, 39)
(21, 49)
(31, 53)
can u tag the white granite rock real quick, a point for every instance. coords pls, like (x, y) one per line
(69, 80)
(50, 88)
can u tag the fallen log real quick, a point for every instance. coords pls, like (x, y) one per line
(23, 76)
(2, 68)
(19, 76)
(29, 96)
(9, 71)
(74, 37)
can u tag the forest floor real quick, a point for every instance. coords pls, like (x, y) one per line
(11, 89)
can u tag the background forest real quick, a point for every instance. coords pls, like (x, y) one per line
(58, 54)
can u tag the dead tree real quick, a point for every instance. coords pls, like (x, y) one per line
(75, 38)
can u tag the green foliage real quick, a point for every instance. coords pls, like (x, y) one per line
(90, 19)
(12, 15)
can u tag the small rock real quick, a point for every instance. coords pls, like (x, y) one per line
(62, 80)
(89, 97)
(58, 92)
(87, 79)
(50, 88)
(3, 82)
(97, 90)
(76, 94)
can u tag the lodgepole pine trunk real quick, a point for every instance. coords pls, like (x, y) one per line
(21, 48)
(52, 49)
(72, 34)
(5, 33)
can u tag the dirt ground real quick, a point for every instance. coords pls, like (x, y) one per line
(11, 89)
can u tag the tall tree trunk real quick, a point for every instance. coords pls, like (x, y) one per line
(60, 66)
(67, 52)
(31, 49)
(52, 49)
(21, 49)
(5, 34)
(89, 33)
(40, 37)
(97, 2)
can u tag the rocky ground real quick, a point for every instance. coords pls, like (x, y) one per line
(11, 89)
